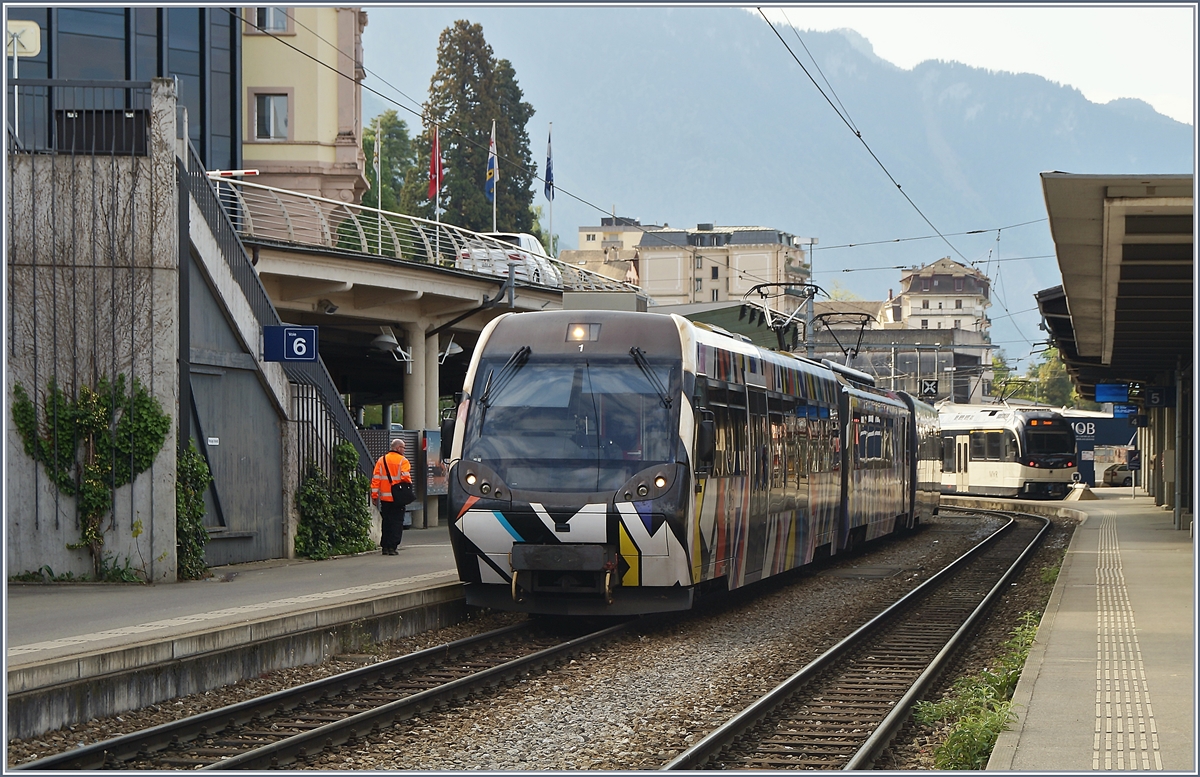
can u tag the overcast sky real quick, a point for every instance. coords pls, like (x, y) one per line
(1146, 52)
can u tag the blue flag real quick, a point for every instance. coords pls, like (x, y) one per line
(489, 185)
(549, 170)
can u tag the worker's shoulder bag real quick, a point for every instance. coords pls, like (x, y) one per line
(402, 491)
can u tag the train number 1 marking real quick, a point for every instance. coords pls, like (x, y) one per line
(581, 347)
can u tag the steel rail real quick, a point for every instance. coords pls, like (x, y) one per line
(147, 744)
(737, 727)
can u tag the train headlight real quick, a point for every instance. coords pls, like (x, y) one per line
(650, 483)
(579, 333)
(471, 478)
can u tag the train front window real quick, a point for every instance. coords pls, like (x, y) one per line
(1050, 441)
(574, 426)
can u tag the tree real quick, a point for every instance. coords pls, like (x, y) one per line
(1046, 382)
(469, 90)
(398, 160)
(539, 230)
(838, 292)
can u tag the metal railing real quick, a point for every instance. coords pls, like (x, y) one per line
(79, 117)
(323, 417)
(266, 213)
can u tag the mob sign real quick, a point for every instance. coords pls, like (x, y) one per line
(289, 343)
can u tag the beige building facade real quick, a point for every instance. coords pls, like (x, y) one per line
(941, 295)
(610, 248)
(303, 105)
(720, 263)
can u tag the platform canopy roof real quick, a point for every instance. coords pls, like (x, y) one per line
(1125, 310)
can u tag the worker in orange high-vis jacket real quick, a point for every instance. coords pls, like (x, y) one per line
(391, 490)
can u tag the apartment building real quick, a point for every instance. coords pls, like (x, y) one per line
(717, 263)
(941, 295)
(302, 72)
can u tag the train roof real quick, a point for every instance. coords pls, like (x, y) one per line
(979, 416)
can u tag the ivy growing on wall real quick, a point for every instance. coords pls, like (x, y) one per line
(90, 445)
(335, 513)
(192, 479)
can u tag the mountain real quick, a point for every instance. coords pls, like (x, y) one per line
(692, 114)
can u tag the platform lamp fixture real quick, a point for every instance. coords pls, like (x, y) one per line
(452, 349)
(386, 341)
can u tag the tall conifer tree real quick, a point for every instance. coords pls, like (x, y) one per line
(470, 89)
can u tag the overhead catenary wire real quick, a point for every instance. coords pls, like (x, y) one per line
(858, 135)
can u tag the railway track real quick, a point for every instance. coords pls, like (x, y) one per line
(842, 710)
(296, 724)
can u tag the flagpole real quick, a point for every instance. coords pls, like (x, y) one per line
(550, 175)
(495, 176)
(378, 185)
(437, 202)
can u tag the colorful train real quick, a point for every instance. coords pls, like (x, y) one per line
(615, 463)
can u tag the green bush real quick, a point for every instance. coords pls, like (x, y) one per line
(90, 446)
(335, 514)
(978, 708)
(191, 481)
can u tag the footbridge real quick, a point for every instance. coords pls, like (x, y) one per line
(399, 301)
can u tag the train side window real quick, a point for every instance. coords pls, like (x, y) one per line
(978, 446)
(700, 392)
(1012, 451)
(948, 449)
(995, 446)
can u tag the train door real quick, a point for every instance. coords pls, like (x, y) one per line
(962, 458)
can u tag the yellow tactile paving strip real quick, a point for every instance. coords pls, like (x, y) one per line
(1126, 736)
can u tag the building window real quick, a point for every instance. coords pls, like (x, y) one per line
(591, 238)
(958, 284)
(924, 323)
(926, 284)
(716, 295)
(716, 273)
(271, 19)
(699, 262)
(271, 116)
(939, 306)
(924, 304)
(939, 325)
(958, 323)
(699, 284)
(958, 304)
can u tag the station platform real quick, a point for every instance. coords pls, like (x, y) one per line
(1109, 684)
(77, 651)
(1110, 681)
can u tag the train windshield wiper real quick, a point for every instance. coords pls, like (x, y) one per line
(639, 358)
(497, 381)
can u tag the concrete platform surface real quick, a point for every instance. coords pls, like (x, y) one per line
(53, 622)
(1110, 682)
